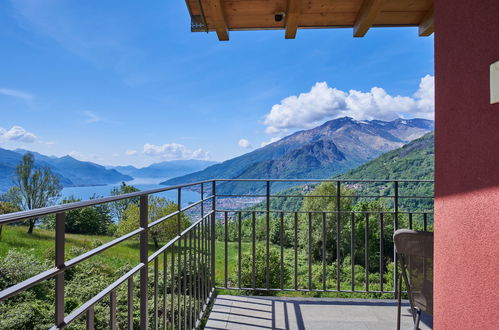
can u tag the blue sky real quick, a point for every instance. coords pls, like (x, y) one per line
(125, 82)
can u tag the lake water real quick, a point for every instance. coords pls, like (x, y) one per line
(143, 184)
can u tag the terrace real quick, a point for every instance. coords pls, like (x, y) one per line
(342, 250)
(466, 199)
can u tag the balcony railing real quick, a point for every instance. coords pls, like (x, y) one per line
(312, 246)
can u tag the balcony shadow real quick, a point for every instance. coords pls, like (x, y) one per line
(235, 312)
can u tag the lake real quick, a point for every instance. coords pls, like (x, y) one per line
(143, 184)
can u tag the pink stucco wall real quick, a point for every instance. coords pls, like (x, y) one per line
(467, 166)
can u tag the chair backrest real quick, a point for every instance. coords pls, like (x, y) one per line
(415, 249)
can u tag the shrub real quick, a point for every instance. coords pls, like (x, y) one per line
(260, 270)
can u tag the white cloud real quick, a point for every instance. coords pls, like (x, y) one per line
(131, 152)
(16, 93)
(91, 117)
(16, 134)
(75, 154)
(173, 151)
(272, 140)
(243, 143)
(323, 103)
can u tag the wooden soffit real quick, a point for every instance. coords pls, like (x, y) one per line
(223, 16)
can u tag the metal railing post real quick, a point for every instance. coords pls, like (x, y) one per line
(179, 206)
(202, 200)
(144, 318)
(59, 263)
(395, 227)
(338, 219)
(267, 230)
(213, 218)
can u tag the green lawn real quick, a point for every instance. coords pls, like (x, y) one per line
(41, 243)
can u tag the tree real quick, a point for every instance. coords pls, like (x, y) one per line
(158, 207)
(320, 204)
(6, 207)
(93, 220)
(33, 187)
(119, 207)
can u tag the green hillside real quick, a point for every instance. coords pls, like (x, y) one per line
(413, 161)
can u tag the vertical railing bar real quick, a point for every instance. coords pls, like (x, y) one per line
(144, 239)
(155, 286)
(205, 256)
(90, 318)
(310, 251)
(202, 198)
(196, 274)
(185, 281)
(205, 264)
(352, 250)
(179, 283)
(211, 260)
(253, 248)
(59, 263)
(239, 251)
(112, 309)
(410, 220)
(395, 227)
(425, 221)
(130, 303)
(179, 230)
(213, 237)
(165, 297)
(202, 260)
(208, 254)
(338, 220)
(366, 250)
(200, 266)
(190, 281)
(381, 237)
(179, 208)
(172, 280)
(267, 236)
(324, 251)
(281, 240)
(296, 250)
(226, 247)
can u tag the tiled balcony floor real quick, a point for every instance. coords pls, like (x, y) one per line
(241, 312)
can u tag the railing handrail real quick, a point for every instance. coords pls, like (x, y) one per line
(323, 180)
(29, 214)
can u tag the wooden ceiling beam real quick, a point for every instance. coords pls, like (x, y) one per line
(218, 19)
(366, 16)
(292, 14)
(426, 27)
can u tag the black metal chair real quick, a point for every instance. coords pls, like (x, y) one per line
(415, 251)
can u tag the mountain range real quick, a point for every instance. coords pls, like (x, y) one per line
(330, 149)
(412, 161)
(163, 170)
(70, 171)
(321, 152)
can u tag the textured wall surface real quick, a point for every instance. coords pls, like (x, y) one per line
(467, 166)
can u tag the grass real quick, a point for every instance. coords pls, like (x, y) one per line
(41, 244)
